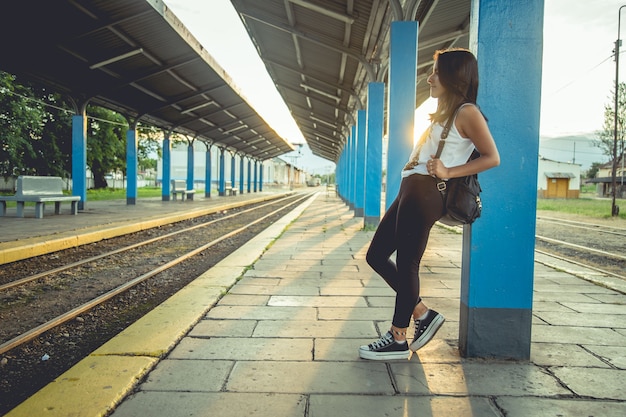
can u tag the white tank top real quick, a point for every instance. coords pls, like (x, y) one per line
(456, 151)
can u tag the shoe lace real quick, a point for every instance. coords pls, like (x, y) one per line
(382, 342)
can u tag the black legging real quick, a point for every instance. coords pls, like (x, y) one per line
(405, 228)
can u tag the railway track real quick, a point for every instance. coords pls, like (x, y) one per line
(600, 247)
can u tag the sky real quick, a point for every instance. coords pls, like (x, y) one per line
(577, 81)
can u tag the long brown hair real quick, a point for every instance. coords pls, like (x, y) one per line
(458, 74)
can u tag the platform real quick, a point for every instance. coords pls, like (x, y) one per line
(273, 330)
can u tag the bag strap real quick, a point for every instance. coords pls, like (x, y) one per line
(441, 184)
(446, 131)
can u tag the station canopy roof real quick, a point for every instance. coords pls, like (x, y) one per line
(321, 54)
(137, 58)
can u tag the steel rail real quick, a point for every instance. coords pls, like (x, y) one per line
(40, 275)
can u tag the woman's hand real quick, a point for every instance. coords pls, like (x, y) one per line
(436, 168)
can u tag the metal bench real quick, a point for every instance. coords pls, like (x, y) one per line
(39, 190)
(231, 191)
(180, 187)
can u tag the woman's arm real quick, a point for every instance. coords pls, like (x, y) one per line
(471, 124)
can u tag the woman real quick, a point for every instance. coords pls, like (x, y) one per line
(406, 225)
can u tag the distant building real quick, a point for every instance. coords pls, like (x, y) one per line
(604, 179)
(558, 179)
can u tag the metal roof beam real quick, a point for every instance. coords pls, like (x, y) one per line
(344, 17)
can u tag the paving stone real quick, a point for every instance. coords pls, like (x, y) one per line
(577, 335)
(262, 312)
(546, 407)
(475, 378)
(321, 328)
(223, 328)
(252, 349)
(185, 404)
(295, 301)
(549, 354)
(615, 355)
(188, 375)
(593, 382)
(364, 378)
(398, 405)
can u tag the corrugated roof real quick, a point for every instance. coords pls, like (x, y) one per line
(321, 54)
(135, 57)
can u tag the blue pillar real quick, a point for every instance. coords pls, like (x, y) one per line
(498, 250)
(255, 175)
(232, 170)
(402, 87)
(79, 158)
(222, 180)
(166, 169)
(207, 173)
(341, 174)
(249, 175)
(190, 166)
(359, 193)
(241, 178)
(131, 166)
(261, 177)
(374, 159)
(353, 150)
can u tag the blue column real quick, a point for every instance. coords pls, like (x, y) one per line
(498, 250)
(232, 170)
(207, 173)
(374, 159)
(261, 177)
(166, 169)
(402, 86)
(222, 180)
(359, 192)
(249, 175)
(341, 174)
(241, 178)
(190, 166)
(255, 175)
(79, 158)
(131, 166)
(354, 144)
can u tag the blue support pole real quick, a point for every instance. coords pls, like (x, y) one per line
(79, 158)
(222, 180)
(261, 177)
(402, 87)
(249, 175)
(232, 171)
(207, 173)
(374, 161)
(241, 177)
(131, 167)
(190, 167)
(166, 169)
(353, 150)
(255, 175)
(359, 188)
(498, 250)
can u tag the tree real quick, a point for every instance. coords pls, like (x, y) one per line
(106, 143)
(21, 122)
(606, 136)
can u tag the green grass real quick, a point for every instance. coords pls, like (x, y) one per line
(120, 193)
(584, 206)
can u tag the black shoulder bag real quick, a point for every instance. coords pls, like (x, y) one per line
(461, 196)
